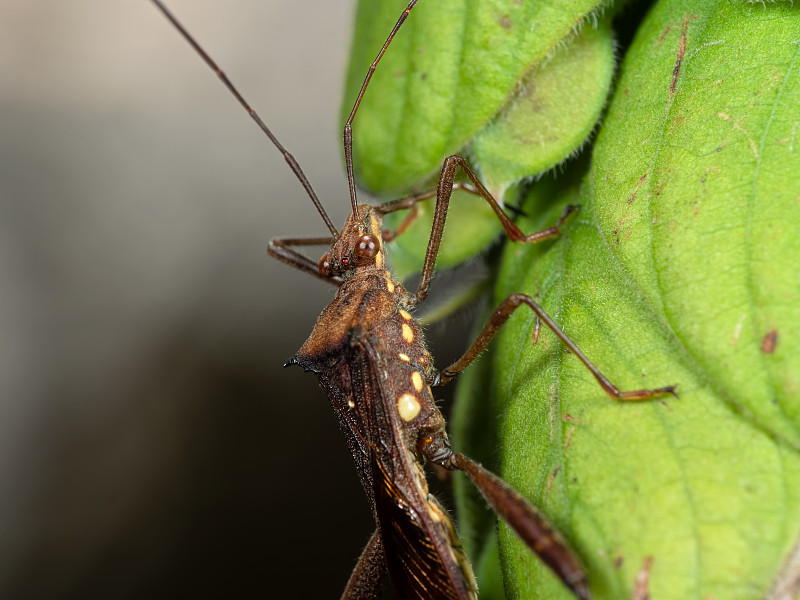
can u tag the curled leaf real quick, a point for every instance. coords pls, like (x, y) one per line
(555, 111)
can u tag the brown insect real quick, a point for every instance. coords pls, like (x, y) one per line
(370, 357)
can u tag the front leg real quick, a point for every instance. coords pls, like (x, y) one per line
(443, 192)
(281, 249)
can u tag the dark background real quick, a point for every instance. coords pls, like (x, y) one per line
(151, 445)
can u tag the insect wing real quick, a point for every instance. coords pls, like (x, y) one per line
(423, 556)
(423, 552)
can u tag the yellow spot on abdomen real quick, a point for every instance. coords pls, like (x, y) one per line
(389, 286)
(404, 314)
(408, 407)
(408, 335)
(404, 357)
(416, 381)
(351, 404)
(436, 512)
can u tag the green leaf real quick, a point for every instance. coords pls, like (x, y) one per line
(555, 111)
(717, 163)
(683, 267)
(453, 65)
(458, 68)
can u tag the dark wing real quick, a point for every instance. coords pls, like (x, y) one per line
(423, 553)
(424, 562)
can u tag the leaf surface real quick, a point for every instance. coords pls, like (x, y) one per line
(683, 267)
(457, 77)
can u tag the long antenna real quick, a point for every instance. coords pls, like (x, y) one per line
(293, 164)
(348, 129)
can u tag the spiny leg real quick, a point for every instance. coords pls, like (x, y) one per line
(502, 314)
(529, 524)
(444, 190)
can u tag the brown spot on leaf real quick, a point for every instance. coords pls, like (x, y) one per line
(568, 441)
(664, 34)
(550, 480)
(769, 342)
(505, 22)
(536, 330)
(638, 185)
(675, 122)
(641, 587)
(571, 419)
(681, 51)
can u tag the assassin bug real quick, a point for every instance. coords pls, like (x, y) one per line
(370, 357)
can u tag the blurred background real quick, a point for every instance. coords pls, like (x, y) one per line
(151, 444)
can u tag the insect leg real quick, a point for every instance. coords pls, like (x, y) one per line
(366, 579)
(389, 235)
(528, 523)
(443, 191)
(410, 202)
(280, 248)
(502, 314)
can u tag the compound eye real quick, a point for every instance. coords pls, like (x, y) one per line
(324, 265)
(367, 247)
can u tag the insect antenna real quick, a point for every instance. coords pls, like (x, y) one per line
(290, 160)
(348, 129)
